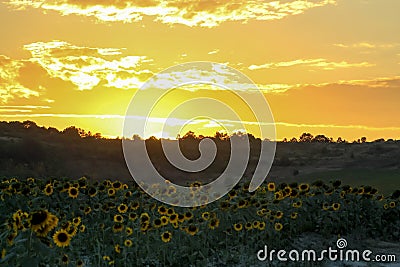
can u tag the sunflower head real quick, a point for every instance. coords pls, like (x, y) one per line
(166, 237)
(61, 238)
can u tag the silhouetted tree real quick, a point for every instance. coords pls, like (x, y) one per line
(306, 137)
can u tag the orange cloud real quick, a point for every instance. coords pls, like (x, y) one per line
(208, 13)
(88, 67)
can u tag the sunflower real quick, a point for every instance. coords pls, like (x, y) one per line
(122, 208)
(128, 194)
(50, 225)
(380, 197)
(48, 190)
(92, 191)
(278, 195)
(294, 193)
(225, 205)
(248, 226)
(205, 215)
(118, 218)
(192, 229)
(188, 215)
(164, 220)
(73, 192)
(173, 218)
(65, 259)
(61, 238)
(111, 192)
(299, 204)
(39, 219)
(242, 203)
(10, 238)
(325, 206)
(261, 226)
(117, 248)
(144, 226)
(157, 223)
(279, 214)
(232, 194)
(166, 237)
(134, 206)
(76, 221)
(181, 217)
(132, 216)
(79, 263)
(129, 231)
(162, 210)
(214, 223)
(261, 212)
(82, 228)
(336, 206)
(304, 187)
(72, 230)
(238, 227)
(87, 210)
(128, 243)
(385, 206)
(293, 215)
(256, 224)
(117, 185)
(271, 186)
(278, 227)
(118, 227)
(144, 217)
(392, 204)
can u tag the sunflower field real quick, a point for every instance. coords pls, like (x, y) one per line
(63, 222)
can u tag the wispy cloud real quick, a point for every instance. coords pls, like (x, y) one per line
(315, 63)
(367, 45)
(215, 51)
(88, 67)
(207, 13)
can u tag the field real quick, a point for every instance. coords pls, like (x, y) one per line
(64, 222)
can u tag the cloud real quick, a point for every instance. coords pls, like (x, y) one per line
(88, 67)
(10, 86)
(316, 63)
(215, 51)
(207, 13)
(366, 45)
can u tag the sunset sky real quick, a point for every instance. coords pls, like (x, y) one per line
(325, 66)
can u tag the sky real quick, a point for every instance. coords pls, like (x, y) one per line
(327, 67)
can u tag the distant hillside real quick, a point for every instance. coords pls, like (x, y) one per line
(29, 150)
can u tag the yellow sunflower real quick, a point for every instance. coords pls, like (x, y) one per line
(336, 206)
(48, 190)
(122, 208)
(73, 192)
(128, 243)
(278, 227)
(238, 227)
(271, 186)
(166, 237)
(61, 238)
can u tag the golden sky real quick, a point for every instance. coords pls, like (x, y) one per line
(325, 66)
